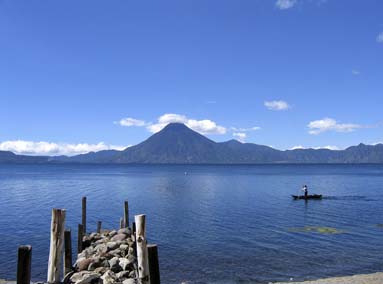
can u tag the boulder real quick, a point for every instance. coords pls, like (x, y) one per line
(119, 237)
(83, 263)
(109, 277)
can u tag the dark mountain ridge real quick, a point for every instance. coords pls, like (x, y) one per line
(178, 144)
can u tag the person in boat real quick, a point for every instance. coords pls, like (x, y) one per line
(305, 189)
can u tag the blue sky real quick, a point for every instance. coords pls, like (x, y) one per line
(89, 75)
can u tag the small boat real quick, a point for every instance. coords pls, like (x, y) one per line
(313, 196)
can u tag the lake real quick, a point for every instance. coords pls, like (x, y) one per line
(213, 224)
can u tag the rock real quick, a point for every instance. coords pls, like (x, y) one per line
(129, 281)
(105, 263)
(101, 248)
(132, 274)
(124, 247)
(116, 252)
(83, 263)
(124, 263)
(101, 270)
(108, 277)
(131, 258)
(125, 231)
(122, 275)
(85, 277)
(119, 237)
(112, 233)
(131, 251)
(96, 262)
(112, 245)
(114, 264)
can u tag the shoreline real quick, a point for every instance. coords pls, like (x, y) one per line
(371, 278)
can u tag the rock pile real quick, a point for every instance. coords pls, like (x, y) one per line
(107, 258)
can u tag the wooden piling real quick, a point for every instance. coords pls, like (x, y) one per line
(126, 214)
(67, 252)
(121, 223)
(142, 250)
(154, 268)
(80, 235)
(24, 262)
(84, 214)
(134, 228)
(56, 245)
(99, 227)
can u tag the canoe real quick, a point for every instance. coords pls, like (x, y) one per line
(313, 196)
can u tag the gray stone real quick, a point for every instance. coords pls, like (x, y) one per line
(122, 275)
(129, 281)
(119, 237)
(114, 264)
(132, 274)
(83, 263)
(116, 252)
(84, 277)
(125, 231)
(101, 248)
(124, 263)
(109, 277)
(112, 233)
(112, 245)
(101, 270)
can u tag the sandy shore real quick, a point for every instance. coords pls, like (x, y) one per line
(374, 278)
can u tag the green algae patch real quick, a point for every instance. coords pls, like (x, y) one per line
(316, 229)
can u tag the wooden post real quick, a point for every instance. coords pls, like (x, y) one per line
(56, 247)
(142, 250)
(80, 235)
(134, 228)
(67, 252)
(126, 214)
(121, 223)
(154, 268)
(24, 262)
(99, 227)
(84, 214)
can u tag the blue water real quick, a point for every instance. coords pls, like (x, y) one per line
(215, 224)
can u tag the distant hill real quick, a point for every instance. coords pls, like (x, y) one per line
(178, 144)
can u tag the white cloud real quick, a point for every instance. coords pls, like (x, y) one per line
(241, 136)
(53, 149)
(329, 124)
(285, 4)
(297, 147)
(255, 128)
(355, 72)
(329, 147)
(379, 38)
(204, 126)
(128, 121)
(276, 105)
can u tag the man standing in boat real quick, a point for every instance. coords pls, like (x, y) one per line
(305, 189)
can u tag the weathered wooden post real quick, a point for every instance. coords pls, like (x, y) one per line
(142, 250)
(84, 214)
(67, 252)
(121, 223)
(126, 214)
(99, 227)
(134, 228)
(154, 267)
(24, 262)
(80, 235)
(56, 246)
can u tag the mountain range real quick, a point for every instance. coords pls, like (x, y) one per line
(178, 144)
